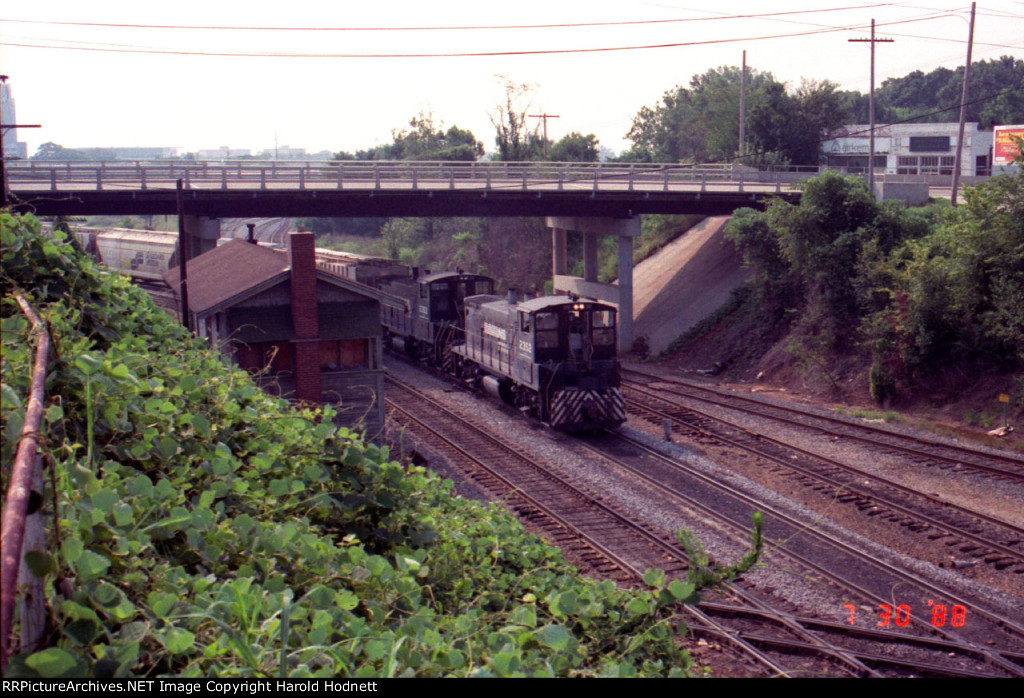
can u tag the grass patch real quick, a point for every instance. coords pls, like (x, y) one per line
(887, 416)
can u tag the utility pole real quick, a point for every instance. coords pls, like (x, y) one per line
(963, 111)
(871, 107)
(184, 252)
(545, 118)
(743, 105)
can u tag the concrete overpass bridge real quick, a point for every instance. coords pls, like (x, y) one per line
(382, 189)
(590, 198)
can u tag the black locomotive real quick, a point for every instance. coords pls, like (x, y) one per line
(553, 358)
(425, 314)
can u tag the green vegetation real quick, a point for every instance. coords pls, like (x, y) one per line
(925, 291)
(874, 415)
(199, 527)
(700, 122)
(423, 140)
(995, 95)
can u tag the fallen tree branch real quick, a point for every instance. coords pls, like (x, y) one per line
(23, 472)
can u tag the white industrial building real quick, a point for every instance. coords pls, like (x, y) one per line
(910, 149)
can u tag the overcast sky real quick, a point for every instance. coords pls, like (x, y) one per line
(207, 78)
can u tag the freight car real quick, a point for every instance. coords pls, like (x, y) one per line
(425, 314)
(142, 254)
(554, 358)
(366, 269)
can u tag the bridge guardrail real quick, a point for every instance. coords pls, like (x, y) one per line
(259, 174)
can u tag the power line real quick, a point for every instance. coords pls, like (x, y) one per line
(439, 28)
(468, 54)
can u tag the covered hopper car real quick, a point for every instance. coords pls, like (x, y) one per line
(142, 254)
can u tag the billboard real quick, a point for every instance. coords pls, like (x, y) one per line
(1004, 148)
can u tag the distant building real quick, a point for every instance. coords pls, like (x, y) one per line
(223, 153)
(285, 152)
(13, 148)
(910, 149)
(304, 333)
(128, 153)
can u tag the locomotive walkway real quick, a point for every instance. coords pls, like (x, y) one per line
(381, 189)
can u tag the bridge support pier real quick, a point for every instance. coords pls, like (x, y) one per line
(589, 256)
(559, 263)
(621, 294)
(204, 233)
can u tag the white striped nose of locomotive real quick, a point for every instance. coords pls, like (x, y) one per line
(576, 407)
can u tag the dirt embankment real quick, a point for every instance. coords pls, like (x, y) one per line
(684, 282)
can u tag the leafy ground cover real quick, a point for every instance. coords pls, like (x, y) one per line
(199, 527)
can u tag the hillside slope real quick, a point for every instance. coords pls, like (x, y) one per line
(684, 282)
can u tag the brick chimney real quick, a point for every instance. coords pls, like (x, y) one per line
(302, 258)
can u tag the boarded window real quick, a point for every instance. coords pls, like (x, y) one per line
(329, 356)
(250, 357)
(278, 355)
(257, 356)
(354, 353)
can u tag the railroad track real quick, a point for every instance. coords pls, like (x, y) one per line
(988, 540)
(869, 580)
(780, 632)
(923, 451)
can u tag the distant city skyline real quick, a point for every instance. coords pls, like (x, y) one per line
(9, 141)
(315, 76)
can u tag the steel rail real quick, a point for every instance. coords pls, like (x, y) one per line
(949, 529)
(885, 433)
(830, 540)
(515, 490)
(822, 648)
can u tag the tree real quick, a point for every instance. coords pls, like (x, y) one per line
(995, 94)
(55, 151)
(788, 127)
(699, 123)
(965, 282)
(424, 140)
(575, 147)
(514, 139)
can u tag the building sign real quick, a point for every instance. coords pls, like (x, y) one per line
(929, 144)
(1004, 148)
(855, 146)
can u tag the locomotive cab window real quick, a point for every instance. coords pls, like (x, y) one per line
(525, 322)
(547, 330)
(602, 323)
(440, 297)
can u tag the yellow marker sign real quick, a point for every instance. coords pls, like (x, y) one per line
(1003, 397)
